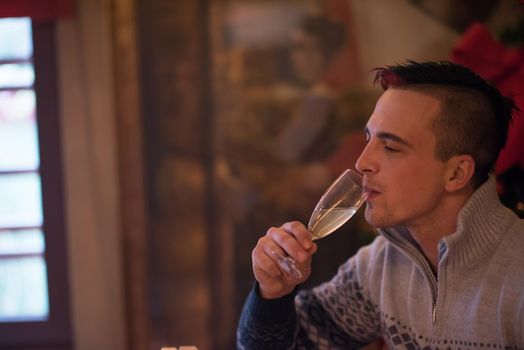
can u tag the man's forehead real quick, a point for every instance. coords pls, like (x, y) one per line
(406, 106)
(419, 94)
(405, 113)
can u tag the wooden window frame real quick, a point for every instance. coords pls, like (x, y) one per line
(55, 332)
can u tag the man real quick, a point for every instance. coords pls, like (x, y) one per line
(447, 270)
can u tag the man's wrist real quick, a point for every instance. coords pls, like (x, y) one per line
(272, 310)
(267, 294)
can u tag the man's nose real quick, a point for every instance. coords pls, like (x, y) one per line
(365, 163)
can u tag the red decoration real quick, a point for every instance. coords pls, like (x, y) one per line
(504, 67)
(37, 9)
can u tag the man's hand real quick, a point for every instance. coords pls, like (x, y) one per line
(292, 239)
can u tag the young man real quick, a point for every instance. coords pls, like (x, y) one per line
(447, 270)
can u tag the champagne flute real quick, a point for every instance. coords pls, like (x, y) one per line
(336, 206)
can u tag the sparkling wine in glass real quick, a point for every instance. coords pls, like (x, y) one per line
(336, 206)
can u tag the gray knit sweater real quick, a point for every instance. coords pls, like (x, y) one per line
(388, 290)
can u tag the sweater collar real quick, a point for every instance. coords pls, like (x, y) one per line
(481, 225)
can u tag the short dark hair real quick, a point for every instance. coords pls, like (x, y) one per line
(474, 117)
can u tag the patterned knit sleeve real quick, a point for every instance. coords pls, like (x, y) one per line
(267, 324)
(341, 313)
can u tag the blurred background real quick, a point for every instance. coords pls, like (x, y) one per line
(146, 145)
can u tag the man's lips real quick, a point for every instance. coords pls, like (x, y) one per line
(370, 191)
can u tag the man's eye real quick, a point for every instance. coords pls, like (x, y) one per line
(390, 149)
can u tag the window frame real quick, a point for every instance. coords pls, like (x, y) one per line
(55, 332)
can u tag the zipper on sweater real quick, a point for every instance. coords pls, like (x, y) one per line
(435, 300)
(433, 285)
(426, 268)
(434, 317)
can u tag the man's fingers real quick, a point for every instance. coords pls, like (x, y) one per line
(288, 242)
(285, 244)
(263, 261)
(300, 232)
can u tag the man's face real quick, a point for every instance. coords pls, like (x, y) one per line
(404, 180)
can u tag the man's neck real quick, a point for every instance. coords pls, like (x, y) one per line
(443, 223)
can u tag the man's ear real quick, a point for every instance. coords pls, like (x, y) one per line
(460, 170)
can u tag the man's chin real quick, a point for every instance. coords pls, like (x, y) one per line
(377, 221)
(372, 220)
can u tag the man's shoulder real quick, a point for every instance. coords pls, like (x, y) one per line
(516, 232)
(509, 251)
